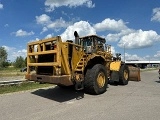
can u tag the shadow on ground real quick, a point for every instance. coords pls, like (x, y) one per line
(158, 81)
(113, 83)
(59, 94)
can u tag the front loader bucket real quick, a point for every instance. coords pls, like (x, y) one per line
(134, 73)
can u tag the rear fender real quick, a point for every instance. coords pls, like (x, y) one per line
(93, 60)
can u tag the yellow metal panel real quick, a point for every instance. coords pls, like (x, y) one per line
(76, 56)
(44, 64)
(43, 41)
(115, 66)
(64, 59)
(59, 44)
(43, 52)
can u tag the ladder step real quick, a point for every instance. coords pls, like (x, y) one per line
(78, 70)
(85, 55)
(80, 66)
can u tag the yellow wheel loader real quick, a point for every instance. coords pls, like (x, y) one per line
(86, 63)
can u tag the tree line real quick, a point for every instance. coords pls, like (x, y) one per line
(20, 62)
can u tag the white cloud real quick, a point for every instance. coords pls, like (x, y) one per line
(140, 58)
(47, 23)
(22, 53)
(44, 30)
(21, 33)
(116, 36)
(52, 4)
(113, 51)
(132, 57)
(110, 24)
(13, 53)
(156, 15)
(89, 4)
(6, 25)
(37, 39)
(157, 55)
(8, 48)
(43, 19)
(123, 35)
(118, 27)
(82, 27)
(64, 13)
(49, 36)
(59, 23)
(1, 6)
(139, 39)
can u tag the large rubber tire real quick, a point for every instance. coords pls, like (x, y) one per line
(96, 80)
(124, 75)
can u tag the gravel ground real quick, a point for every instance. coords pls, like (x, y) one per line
(135, 101)
(12, 78)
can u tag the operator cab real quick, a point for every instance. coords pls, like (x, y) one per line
(92, 44)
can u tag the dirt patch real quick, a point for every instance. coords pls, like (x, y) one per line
(11, 78)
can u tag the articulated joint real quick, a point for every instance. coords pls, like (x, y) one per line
(78, 80)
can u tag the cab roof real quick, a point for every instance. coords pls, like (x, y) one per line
(93, 36)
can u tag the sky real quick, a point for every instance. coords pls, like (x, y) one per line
(131, 27)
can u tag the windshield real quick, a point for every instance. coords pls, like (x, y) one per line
(87, 42)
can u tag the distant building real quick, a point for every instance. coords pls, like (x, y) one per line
(143, 64)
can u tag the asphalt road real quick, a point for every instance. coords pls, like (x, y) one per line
(136, 101)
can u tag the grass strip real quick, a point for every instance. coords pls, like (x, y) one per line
(11, 74)
(22, 87)
(7, 72)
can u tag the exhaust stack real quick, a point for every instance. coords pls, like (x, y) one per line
(76, 37)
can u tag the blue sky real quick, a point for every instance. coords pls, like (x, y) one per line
(134, 24)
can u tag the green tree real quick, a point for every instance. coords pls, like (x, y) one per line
(26, 61)
(3, 57)
(20, 62)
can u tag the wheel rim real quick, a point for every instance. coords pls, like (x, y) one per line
(101, 80)
(125, 74)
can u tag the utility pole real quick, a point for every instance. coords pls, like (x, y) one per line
(124, 53)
